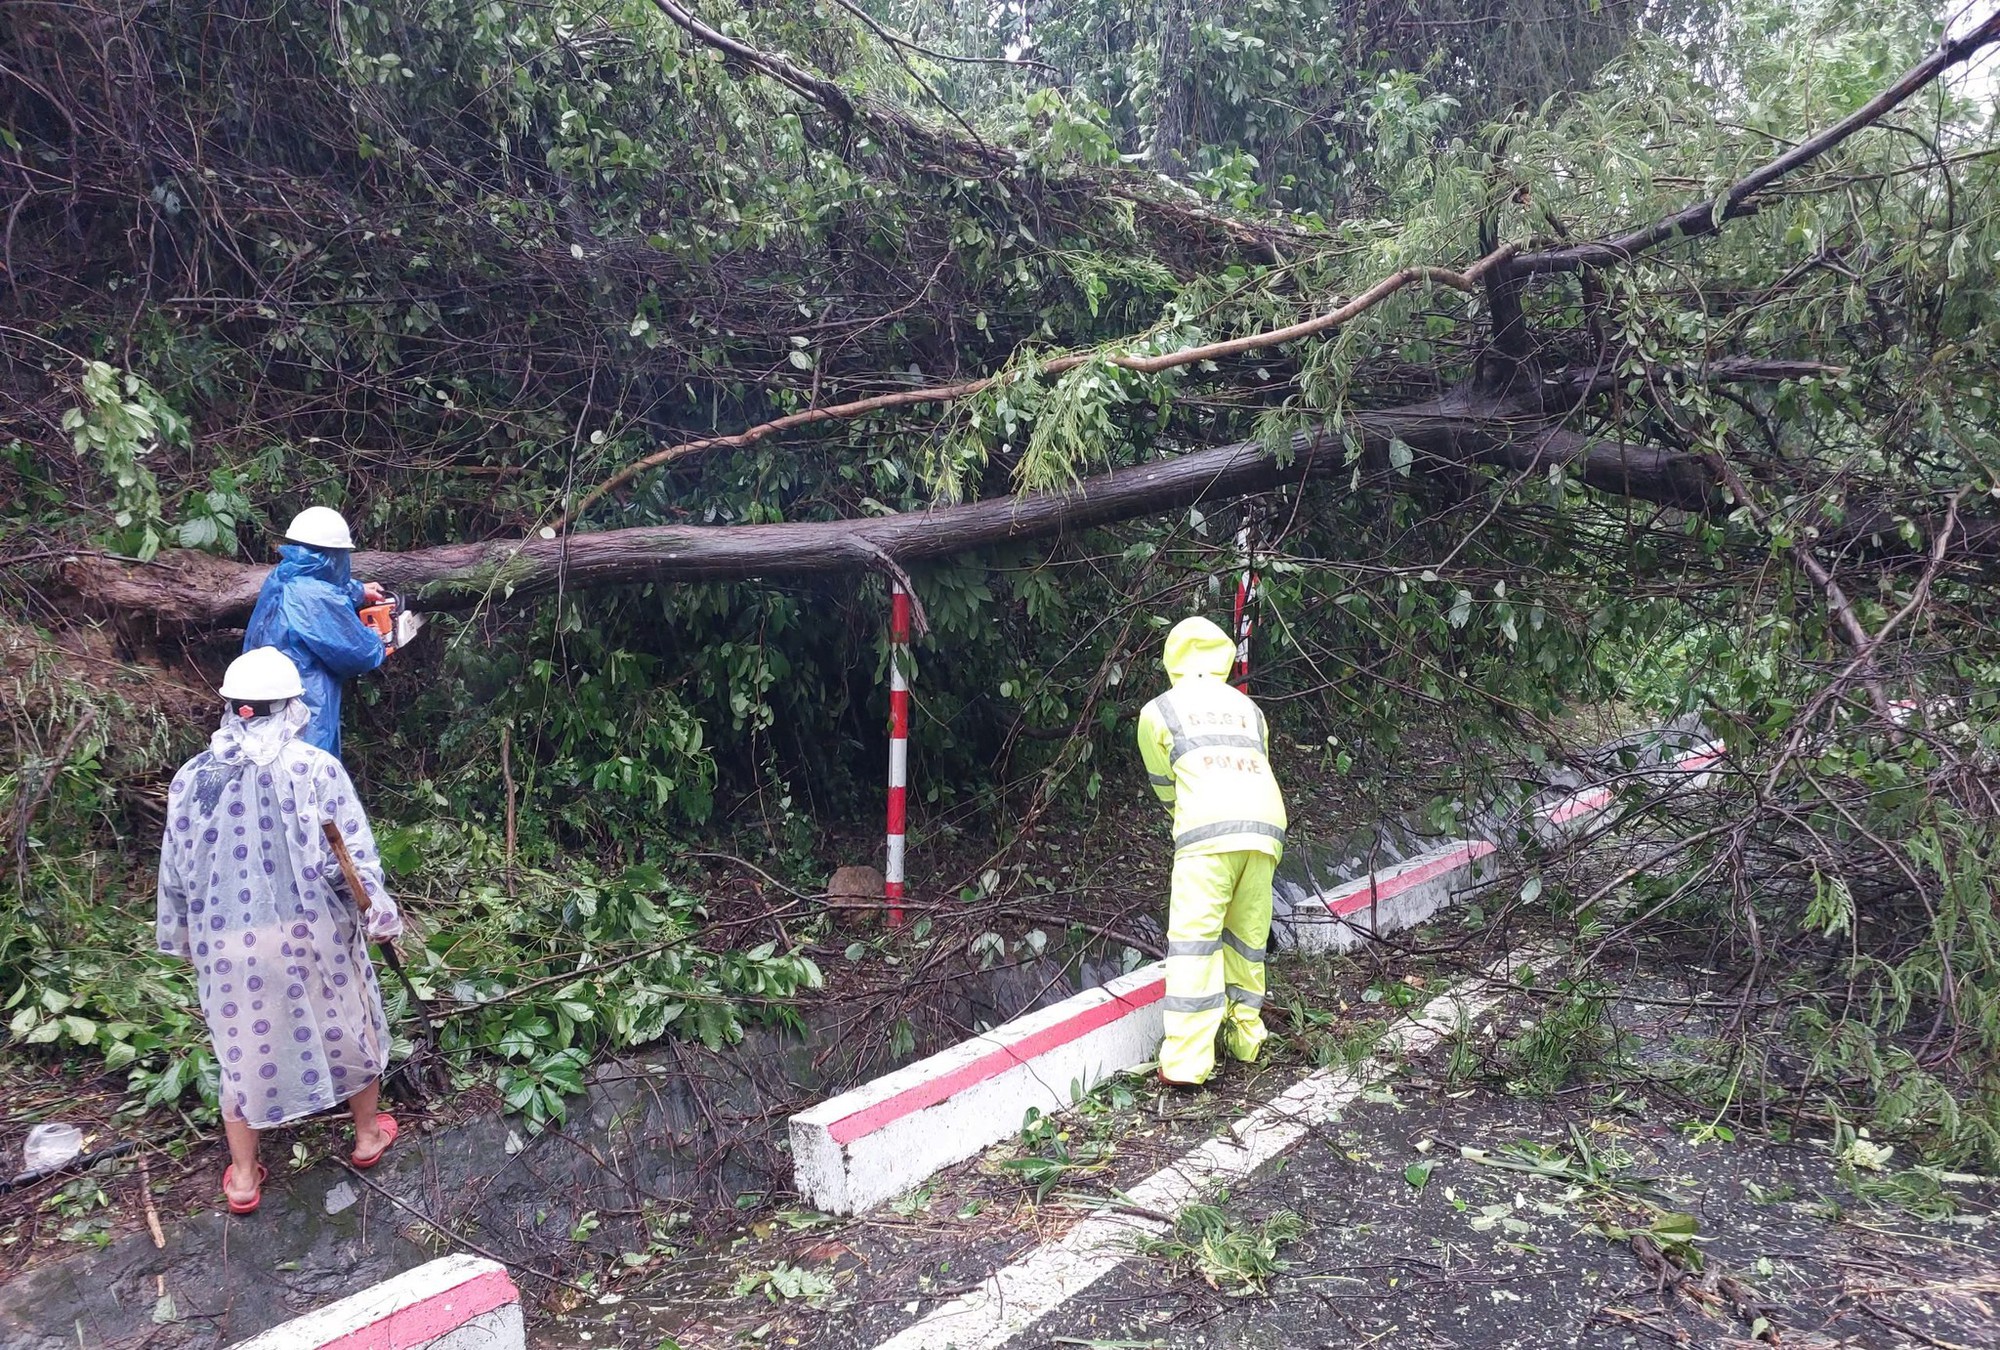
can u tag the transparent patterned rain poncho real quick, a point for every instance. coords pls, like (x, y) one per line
(247, 893)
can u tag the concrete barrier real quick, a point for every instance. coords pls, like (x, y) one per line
(457, 1303)
(1576, 810)
(1700, 761)
(863, 1147)
(1391, 899)
(880, 1140)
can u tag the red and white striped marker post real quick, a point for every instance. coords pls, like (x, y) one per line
(1246, 600)
(899, 748)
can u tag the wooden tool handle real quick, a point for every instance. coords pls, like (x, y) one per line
(346, 861)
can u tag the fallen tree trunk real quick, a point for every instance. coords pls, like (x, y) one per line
(195, 590)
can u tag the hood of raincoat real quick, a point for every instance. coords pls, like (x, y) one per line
(1197, 648)
(260, 739)
(321, 564)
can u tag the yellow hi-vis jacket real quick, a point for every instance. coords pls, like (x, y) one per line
(1207, 751)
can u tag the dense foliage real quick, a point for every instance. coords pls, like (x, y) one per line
(450, 264)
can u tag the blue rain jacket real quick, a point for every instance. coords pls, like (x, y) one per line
(306, 610)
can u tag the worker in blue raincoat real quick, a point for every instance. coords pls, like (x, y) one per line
(308, 609)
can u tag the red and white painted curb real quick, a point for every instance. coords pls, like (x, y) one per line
(863, 1147)
(457, 1303)
(1391, 899)
(1580, 808)
(1013, 1299)
(885, 1137)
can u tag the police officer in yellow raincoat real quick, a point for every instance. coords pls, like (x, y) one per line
(1207, 752)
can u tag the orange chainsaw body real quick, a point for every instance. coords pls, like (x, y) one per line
(392, 622)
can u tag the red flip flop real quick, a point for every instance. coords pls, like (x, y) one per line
(244, 1206)
(389, 1128)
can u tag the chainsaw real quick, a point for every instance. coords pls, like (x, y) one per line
(390, 619)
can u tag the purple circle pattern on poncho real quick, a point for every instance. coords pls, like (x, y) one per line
(263, 914)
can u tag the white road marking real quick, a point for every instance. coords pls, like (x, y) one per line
(1016, 1298)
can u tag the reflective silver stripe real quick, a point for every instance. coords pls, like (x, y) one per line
(1176, 733)
(1243, 949)
(1244, 997)
(1235, 740)
(1181, 742)
(1195, 947)
(1183, 1003)
(1227, 827)
(1161, 779)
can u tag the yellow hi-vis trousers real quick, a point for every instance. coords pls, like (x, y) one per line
(1218, 920)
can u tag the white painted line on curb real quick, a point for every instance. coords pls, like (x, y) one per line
(1017, 1297)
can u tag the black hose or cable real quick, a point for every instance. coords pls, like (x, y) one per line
(77, 1164)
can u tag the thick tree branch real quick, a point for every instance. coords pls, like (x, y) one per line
(794, 77)
(197, 590)
(194, 590)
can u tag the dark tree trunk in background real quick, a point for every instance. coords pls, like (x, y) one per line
(1173, 99)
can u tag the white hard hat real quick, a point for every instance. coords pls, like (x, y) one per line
(261, 676)
(320, 526)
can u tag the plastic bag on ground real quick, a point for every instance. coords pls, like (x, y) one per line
(49, 1146)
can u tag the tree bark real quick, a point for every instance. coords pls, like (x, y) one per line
(195, 590)
(192, 591)
(1173, 108)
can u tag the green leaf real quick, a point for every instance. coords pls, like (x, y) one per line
(198, 532)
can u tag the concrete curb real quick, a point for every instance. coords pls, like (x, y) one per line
(1391, 899)
(855, 1151)
(1580, 808)
(878, 1141)
(456, 1303)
